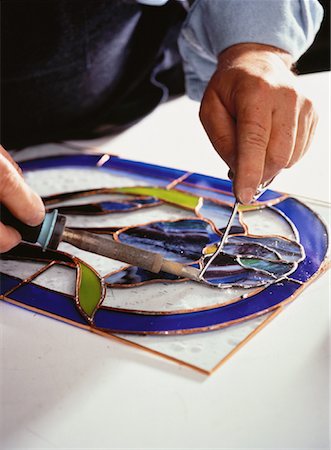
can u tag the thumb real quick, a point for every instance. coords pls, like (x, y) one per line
(19, 198)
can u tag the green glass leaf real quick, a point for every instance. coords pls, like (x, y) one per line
(89, 290)
(172, 196)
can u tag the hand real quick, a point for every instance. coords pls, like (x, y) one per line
(254, 116)
(25, 204)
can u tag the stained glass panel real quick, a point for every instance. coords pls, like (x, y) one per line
(273, 249)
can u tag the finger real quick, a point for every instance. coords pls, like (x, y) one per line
(312, 131)
(303, 132)
(10, 159)
(19, 198)
(219, 126)
(253, 132)
(9, 238)
(282, 140)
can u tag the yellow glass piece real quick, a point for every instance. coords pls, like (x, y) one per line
(172, 196)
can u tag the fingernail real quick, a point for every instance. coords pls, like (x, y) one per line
(230, 175)
(246, 196)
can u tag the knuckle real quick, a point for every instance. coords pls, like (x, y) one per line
(262, 86)
(252, 100)
(291, 96)
(255, 84)
(308, 105)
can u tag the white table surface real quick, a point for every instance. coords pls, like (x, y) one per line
(65, 388)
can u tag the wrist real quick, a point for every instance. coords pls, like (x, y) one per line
(261, 52)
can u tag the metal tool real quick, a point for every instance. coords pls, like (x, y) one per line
(52, 231)
(222, 242)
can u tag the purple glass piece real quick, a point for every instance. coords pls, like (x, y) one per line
(287, 250)
(135, 275)
(106, 207)
(225, 271)
(94, 208)
(243, 272)
(250, 249)
(181, 240)
(275, 268)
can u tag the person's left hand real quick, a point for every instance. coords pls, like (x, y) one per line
(255, 117)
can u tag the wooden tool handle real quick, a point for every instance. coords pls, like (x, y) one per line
(114, 249)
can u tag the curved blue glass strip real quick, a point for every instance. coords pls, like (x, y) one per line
(269, 195)
(127, 322)
(64, 307)
(153, 173)
(133, 274)
(80, 160)
(48, 301)
(205, 182)
(8, 282)
(313, 236)
(161, 175)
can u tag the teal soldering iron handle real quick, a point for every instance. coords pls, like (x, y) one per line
(48, 234)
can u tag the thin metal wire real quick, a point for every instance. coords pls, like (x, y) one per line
(222, 241)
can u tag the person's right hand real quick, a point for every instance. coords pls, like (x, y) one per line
(255, 115)
(19, 198)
